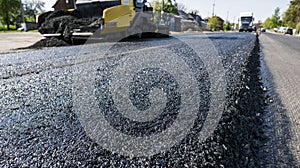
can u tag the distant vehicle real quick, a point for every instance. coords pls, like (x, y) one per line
(246, 22)
(275, 30)
(282, 29)
(263, 30)
(289, 31)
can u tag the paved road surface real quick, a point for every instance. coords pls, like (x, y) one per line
(282, 56)
(109, 105)
(11, 41)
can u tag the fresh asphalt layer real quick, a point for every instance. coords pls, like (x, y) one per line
(187, 101)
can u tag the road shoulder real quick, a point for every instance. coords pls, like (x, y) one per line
(11, 41)
(283, 63)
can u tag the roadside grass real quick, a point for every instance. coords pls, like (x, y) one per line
(3, 29)
(13, 29)
(34, 31)
(9, 31)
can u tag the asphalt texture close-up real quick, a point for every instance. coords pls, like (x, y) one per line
(193, 100)
(280, 70)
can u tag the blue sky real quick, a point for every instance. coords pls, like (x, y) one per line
(261, 8)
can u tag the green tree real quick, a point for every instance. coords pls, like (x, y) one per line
(170, 6)
(276, 17)
(298, 28)
(8, 11)
(157, 5)
(214, 23)
(268, 23)
(227, 26)
(274, 21)
(32, 8)
(291, 17)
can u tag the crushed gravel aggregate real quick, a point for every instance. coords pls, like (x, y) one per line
(40, 128)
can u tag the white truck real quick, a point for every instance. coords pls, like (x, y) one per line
(246, 22)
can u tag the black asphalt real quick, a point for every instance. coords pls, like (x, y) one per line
(51, 100)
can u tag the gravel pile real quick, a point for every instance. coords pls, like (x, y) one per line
(49, 42)
(58, 22)
(39, 127)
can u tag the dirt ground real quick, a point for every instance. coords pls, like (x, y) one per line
(11, 41)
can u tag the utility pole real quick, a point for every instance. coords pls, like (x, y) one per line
(162, 12)
(22, 12)
(214, 4)
(227, 16)
(22, 16)
(234, 23)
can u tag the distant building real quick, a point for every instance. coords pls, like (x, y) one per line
(175, 23)
(184, 15)
(187, 21)
(64, 4)
(201, 22)
(221, 23)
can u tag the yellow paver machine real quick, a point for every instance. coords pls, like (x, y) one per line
(102, 19)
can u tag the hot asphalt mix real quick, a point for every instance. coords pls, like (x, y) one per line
(40, 127)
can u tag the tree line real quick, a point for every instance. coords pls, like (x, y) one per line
(11, 11)
(290, 18)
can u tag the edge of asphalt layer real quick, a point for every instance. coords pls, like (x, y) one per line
(238, 140)
(275, 150)
(244, 117)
